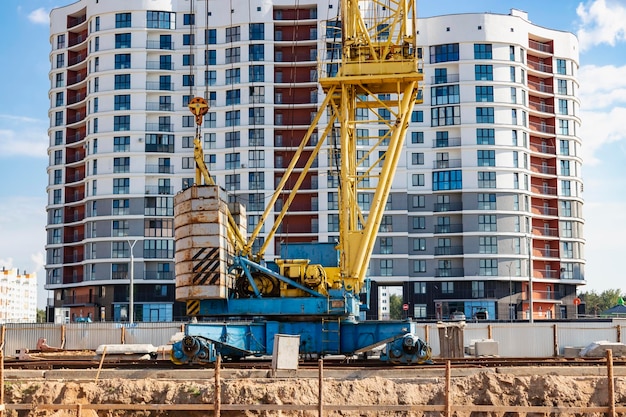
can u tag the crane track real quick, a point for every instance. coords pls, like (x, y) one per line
(51, 363)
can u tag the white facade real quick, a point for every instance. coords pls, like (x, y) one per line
(18, 297)
(120, 148)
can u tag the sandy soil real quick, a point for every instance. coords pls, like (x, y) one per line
(482, 388)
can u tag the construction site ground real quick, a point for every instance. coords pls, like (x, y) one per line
(346, 391)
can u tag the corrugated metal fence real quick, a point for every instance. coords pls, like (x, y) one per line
(538, 339)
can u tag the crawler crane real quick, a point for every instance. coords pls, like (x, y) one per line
(314, 289)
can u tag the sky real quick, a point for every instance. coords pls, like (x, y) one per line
(599, 24)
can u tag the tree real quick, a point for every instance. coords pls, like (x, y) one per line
(41, 316)
(395, 307)
(596, 303)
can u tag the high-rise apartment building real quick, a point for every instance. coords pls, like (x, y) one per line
(485, 211)
(18, 296)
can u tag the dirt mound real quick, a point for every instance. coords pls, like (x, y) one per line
(486, 388)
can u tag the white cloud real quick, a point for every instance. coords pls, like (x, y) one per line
(602, 21)
(603, 108)
(23, 136)
(39, 16)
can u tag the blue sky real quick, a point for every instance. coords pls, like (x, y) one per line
(599, 24)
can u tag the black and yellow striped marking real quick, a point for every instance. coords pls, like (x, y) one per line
(206, 266)
(193, 307)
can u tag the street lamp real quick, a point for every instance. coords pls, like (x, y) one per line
(131, 289)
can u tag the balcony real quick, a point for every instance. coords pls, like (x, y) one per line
(446, 143)
(75, 20)
(159, 190)
(449, 272)
(542, 128)
(540, 46)
(540, 66)
(541, 87)
(541, 107)
(158, 85)
(159, 45)
(546, 252)
(448, 250)
(544, 190)
(443, 207)
(159, 127)
(543, 169)
(447, 164)
(158, 65)
(159, 169)
(449, 78)
(156, 106)
(543, 148)
(449, 228)
(545, 211)
(545, 232)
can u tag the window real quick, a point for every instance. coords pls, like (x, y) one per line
(161, 20)
(122, 40)
(417, 158)
(256, 158)
(488, 267)
(333, 222)
(567, 250)
(386, 267)
(188, 121)
(418, 180)
(56, 197)
(565, 170)
(256, 53)
(233, 139)
(483, 72)
(210, 36)
(123, 20)
(447, 180)
(122, 82)
(233, 118)
(445, 116)
(419, 223)
(122, 61)
(257, 94)
(486, 158)
(567, 228)
(59, 80)
(562, 87)
(232, 161)
(210, 119)
(488, 244)
(233, 55)
(58, 118)
(386, 224)
(419, 266)
(189, 39)
(58, 176)
(448, 94)
(563, 106)
(121, 164)
(120, 228)
(441, 75)
(486, 180)
(417, 116)
(486, 201)
(233, 34)
(188, 80)
(189, 19)
(566, 188)
(484, 115)
(386, 245)
(257, 31)
(563, 127)
(561, 67)
(59, 99)
(485, 137)
(487, 223)
(58, 137)
(564, 147)
(210, 57)
(256, 180)
(210, 77)
(233, 76)
(121, 185)
(122, 102)
(419, 244)
(484, 93)
(257, 73)
(482, 51)
(121, 123)
(61, 41)
(417, 137)
(419, 201)
(60, 60)
(444, 53)
(121, 143)
(233, 97)
(232, 182)
(188, 60)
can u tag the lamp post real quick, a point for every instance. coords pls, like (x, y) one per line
(131, 289)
